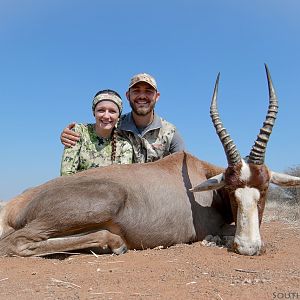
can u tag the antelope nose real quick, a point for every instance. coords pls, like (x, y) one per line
(249, 249)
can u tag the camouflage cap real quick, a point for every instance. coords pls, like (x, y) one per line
(108, 97)
(143, 77)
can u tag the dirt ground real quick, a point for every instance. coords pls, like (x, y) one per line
(191, 271)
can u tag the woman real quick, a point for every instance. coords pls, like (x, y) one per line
(99, 145)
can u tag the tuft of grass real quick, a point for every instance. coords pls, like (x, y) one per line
(2, 203)
(282, 211)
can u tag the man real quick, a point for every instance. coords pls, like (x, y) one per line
(151, 136)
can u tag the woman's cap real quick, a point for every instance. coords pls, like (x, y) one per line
(143, 77)
(106, 96)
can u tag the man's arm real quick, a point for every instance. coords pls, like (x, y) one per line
(69, 137)
(177, 143)
(71, 156)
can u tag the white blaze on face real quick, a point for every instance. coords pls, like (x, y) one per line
(245, 171)
(247, 237)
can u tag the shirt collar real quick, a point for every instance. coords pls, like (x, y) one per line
(128, 124)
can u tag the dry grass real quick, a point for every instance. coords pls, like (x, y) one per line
(2, 203)
(282, 211)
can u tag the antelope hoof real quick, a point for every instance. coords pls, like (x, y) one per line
(123, 249)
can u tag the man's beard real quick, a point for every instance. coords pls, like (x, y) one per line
(142, 111)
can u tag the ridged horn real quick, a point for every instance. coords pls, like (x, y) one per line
(257, 154)
(233, 156)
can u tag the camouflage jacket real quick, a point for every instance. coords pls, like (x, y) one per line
(153, 142)
(92, 151)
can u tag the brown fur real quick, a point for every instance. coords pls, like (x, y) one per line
(135, 206)
(260, 178)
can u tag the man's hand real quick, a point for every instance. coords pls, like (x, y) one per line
(69, 137)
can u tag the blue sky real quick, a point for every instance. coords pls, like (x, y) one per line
(55, 55)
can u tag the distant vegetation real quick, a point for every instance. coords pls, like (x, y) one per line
(1, 204)
(284, 203)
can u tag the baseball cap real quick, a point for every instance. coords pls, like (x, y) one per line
(143, 77)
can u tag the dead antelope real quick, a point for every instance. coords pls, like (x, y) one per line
(142, 206)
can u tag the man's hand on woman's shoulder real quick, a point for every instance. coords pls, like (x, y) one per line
(69, 137)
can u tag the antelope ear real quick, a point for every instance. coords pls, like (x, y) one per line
(284, 180)
(212, 183)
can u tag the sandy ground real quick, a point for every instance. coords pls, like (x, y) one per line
(180, 272)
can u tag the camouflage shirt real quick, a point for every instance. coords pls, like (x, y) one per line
(156, 141)
(93, 151)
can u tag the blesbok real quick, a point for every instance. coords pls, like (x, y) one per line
(142, 206)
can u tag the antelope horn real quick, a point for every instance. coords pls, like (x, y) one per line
(257, 154)
(233, 156)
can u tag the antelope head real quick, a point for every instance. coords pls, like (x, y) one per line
(246, 181)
